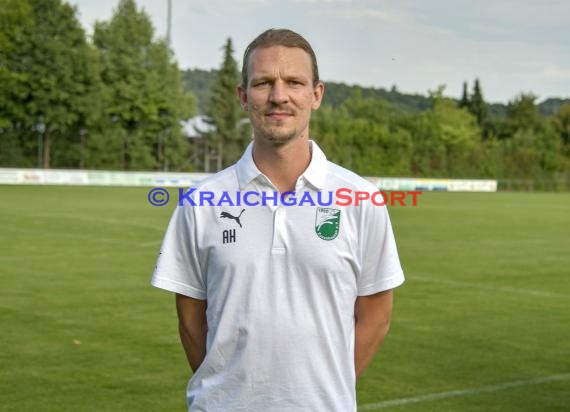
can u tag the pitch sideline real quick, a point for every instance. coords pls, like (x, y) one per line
(463, 392)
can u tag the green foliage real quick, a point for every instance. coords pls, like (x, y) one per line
(477, 105)
(337, 93)
(552, 106)
(16, 140)
(522, 114)
(144, 101)
(464, 102)
(561, 126)
(230, 135)
(117, 105)
(360, 136)
(525, 154)
(200, 82)
(15, 20)
(497, 111)
(46, 74)
(368, 136)
(561, 123)
(530, 146)
(457, 135)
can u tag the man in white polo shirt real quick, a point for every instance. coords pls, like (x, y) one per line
(280, 307)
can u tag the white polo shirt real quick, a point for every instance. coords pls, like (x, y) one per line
(281, 284)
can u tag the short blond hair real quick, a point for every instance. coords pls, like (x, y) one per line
(278, 37)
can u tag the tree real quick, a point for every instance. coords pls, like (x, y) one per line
(143, 92)
(200, 82)
(360, 135)
(46, 72)
(464, 102)
(533, 150)
(561, 123)
(522, 114)
(445, 139)
(231, 133)
(477, 105)
(15, 18)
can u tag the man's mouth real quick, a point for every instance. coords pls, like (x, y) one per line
(276, 115)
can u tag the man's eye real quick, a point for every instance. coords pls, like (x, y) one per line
(261, 83)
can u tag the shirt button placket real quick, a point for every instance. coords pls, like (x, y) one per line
(279, 225)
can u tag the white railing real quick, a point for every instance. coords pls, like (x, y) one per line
(172, 179)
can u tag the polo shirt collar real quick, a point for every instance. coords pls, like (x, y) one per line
(246, 169)
(315, 174)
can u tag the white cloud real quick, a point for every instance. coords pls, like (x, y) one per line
(556, 73)
(489, 29)
(359, 13)
(526, 12)
(511, 45)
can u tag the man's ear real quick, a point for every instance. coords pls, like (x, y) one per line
(242, 94)
(318, 94)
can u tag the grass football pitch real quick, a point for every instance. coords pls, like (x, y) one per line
(481, 324)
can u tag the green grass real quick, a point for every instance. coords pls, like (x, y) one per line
(486, 302)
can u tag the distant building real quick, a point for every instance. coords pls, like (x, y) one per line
(197, 126)
(196, 130)
(205, 157)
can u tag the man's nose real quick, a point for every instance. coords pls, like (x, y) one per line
(278, 93)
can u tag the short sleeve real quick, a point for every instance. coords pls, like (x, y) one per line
(178, 269)
(380, 264)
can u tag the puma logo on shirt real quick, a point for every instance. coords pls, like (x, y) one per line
(230, 216)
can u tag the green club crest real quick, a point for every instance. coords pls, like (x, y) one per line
(327, 223)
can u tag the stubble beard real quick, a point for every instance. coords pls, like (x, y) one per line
(277, 137)
(276, 133)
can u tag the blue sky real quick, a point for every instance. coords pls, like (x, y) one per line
(512, 46)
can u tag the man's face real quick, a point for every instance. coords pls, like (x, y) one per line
(280, 94)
